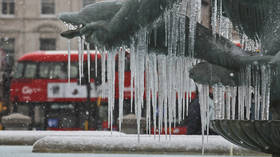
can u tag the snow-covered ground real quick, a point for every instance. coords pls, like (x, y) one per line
(29, 137)
(147, 144)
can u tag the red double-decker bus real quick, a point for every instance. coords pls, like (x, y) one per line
(40, 89)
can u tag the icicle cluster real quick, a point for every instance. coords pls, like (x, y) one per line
(249, 44)
(251, 97)
(165, 82)
(220, 25)
(160, 84)
(175, 32)
(195, 7)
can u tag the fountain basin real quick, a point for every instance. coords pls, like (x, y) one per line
(178, 144)
(258, 135)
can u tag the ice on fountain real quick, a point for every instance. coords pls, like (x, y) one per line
(214, 17)
(228, 107)
(162, 93)
(256, 84)
(121, 64)
(148, 93)
(111, 82)
(103, 73)
(132, 73)
(80, 53)
(203, 91)
(154, 88)
(250, 44)
(69, 59)
(220, 16)
(194, 18)
(254, 90)
(88, 60)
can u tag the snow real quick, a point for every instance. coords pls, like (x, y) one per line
(29, 137)
(187, 144)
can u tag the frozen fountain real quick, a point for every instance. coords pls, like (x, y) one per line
(168, 44)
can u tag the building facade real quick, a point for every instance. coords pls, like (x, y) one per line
(31, 25)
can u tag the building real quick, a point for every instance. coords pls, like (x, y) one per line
(30, 25)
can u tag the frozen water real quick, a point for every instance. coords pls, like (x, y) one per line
(69, 59)
(88, 60)
(121, 59)
(194, 18)
(255, 85)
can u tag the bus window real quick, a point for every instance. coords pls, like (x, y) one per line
(57, 71)
(30, 70)
(18, 70)
(44, 70)
(74, 70)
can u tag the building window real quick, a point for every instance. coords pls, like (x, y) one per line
(87, 2)
(47, 44)
(47, 7)
(8, 7)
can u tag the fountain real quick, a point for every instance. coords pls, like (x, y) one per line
(233, 72)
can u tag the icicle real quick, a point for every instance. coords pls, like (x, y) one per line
(169, 92)
(204, 109)
(69, 59)
(214, 17)
(140, 87)
(88, 61)
(82, 54)
(233, 101)
(263, 90)
(121, 64)
(222, 101)
(80, 59)
(155, 90)
(217, 95)
(182, 28)
(220, 16)
(239, 102)
(95, 60)
(167, 27)
(161, 95)
(257, 92)
(248, 92)
(195, 13)
(111, 82)
(132, 73)
(267, 103)
(141, 49)
(227, 103)
(148, 93)
(103, 73)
